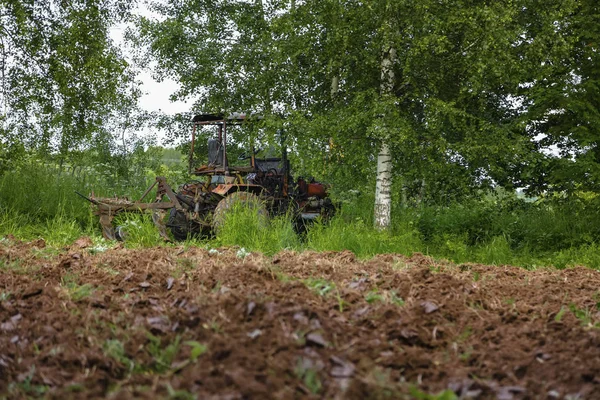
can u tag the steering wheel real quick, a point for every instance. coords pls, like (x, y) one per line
(271, 172)
(246, 156)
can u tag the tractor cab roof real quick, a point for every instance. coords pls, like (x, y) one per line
(233, 117)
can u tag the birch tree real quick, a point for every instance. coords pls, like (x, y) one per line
(383, 195)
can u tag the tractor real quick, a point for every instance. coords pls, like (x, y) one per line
(199, 208)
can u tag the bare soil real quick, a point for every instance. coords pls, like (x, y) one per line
(182, 323)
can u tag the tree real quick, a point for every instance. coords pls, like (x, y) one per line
(62, 76)
(563, 105)
(454, 110)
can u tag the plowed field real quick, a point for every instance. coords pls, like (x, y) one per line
(222, 324)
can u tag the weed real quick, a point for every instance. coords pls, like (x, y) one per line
(464, 335)
(300, 337)
(109, 270)
(55, 350)
(75, 291)
(217, 287)
(184, 265)
(509, 301)
(373, 296)
(385, 296)
(180, 394)
(197, 349)
(13, 266)
(308, 375)
(382, 385)
(417, 394)
(162, 357)
(319, 285)
(100, 246)
(242, 253)
(395, 299)
(584, 315)
(27, 386)
(283, 277)
(4, 296)
(464, 356)
(435, 269)
(75, 388)
(340, 300)
(114, 349)
(559, 315)
(213, 325)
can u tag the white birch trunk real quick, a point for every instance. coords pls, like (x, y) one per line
(383, 198)
(383, 194)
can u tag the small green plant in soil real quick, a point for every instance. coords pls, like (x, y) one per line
(320, 286)
(417, 394)
(12, 266)
(585, 316)
(114, 349)
(560, 314)
(384, 296)
(213, 325)
(162, 357)
(309, 376)
(76, 291)
(180, 394)
(197, 349)
(27, 388)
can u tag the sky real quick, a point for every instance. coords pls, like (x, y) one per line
(155, 94)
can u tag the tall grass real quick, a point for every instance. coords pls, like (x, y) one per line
(360, 237)
(246, 228)
(40, 202)
(139, 230)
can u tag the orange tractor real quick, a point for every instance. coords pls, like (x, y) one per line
(199, 208)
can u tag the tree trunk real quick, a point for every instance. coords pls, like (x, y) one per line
(383, 194)
(383, 198)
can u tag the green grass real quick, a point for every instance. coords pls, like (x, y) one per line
(39, 202)
(74, 289)
(308, 375)
(26, 388)
(319, 286)
(243, 227)
(139, 230)
(162, 356)
(359, 237)
(114, 349)
(384, 296)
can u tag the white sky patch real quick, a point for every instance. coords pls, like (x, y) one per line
(155, 95)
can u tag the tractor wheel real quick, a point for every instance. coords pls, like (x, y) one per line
(179, 225)
(227, 204)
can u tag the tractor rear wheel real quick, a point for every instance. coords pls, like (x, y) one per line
(230, 202)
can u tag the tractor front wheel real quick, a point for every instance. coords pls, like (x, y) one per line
(234, 200)
(181, 227)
